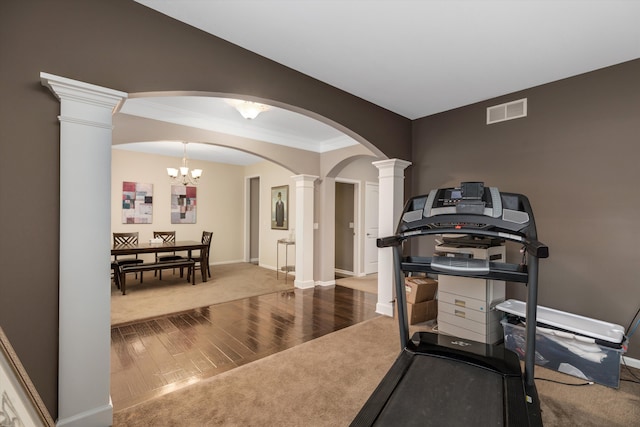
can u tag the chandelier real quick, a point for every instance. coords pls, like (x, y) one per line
(250, 110)
(182, 175)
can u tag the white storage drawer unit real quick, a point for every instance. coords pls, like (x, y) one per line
(464, 304)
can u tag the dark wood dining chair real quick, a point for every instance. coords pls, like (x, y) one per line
(207, 236)
(124, 239)
(167, 237)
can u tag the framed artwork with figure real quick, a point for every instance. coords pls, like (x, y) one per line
(280, 207)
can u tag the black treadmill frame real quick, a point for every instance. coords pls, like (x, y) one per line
(473, 225)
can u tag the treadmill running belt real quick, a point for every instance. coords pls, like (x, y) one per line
(445, 392)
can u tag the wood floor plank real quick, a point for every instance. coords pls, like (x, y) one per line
(154, 357)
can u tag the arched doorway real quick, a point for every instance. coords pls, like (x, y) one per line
(84, 323)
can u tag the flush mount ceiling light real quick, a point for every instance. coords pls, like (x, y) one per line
(250, 110)
(182, 175)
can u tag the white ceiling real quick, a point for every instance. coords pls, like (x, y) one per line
(422, 57)
(276, 126)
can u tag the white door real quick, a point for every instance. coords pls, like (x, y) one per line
(371, 228)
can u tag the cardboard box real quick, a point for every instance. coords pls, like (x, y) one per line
(421, 312)
(420, 289)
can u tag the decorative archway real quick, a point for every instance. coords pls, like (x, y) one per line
(84, 296)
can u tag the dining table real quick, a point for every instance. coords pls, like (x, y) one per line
(179, 246)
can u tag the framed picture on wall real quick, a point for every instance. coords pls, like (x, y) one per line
(20, 403)
(280, 207)
(137, 203)
(183, 204)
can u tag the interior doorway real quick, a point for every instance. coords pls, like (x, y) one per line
(345, 229)
(371, 228)
(252, 251)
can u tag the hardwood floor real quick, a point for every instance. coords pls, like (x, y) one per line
(155, 357)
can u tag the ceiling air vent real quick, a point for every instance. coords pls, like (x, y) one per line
(508, 111)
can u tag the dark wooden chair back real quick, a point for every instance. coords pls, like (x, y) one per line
(166, 236)
(125, 238)
(207, 236)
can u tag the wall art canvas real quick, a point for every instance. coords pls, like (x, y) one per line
(280, 207)
(20, 404)
(137, 203)
(183, 204)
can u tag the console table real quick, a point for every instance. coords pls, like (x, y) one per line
(286, 267)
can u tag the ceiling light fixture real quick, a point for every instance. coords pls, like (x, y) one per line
(250, 110)
(181, 175)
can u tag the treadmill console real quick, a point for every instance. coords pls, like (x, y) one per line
(469, 206)
(469, 198)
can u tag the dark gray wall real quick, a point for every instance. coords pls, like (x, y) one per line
(121, 45)
(576, 157)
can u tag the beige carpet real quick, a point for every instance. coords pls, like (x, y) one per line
(172, 294)
(326, 381)
(367, 283)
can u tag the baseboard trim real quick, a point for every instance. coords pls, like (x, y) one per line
(268, 267)
(630, 362)
(385, 308)
(327, 283)
(304, 284)
(344, 272)
(228, 262)
(101, 416)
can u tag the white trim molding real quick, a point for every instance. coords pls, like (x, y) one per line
(632, 363)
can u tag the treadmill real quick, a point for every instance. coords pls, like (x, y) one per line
(440, 379)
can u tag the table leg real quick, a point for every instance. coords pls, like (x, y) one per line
(204, 264)
(286, 263)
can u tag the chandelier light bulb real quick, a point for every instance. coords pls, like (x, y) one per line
(181, 175)
(250, 110)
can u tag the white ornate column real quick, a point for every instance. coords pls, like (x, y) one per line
(304, 230)
(84, 282)
(390, 205)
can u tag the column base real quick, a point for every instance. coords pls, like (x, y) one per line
(326, 283)
(99, 417)
(304, 284)
(385, 308)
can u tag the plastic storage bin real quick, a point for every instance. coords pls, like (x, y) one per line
(585, 348)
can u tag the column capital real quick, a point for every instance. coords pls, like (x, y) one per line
(304, 178)
(68, 89)
(391, 167)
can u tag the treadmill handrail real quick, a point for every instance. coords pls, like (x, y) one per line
(517, 273)
(533, 246)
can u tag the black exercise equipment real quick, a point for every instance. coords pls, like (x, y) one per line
(442, 380)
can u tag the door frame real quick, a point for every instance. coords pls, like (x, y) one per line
(364, 224)
(247, 217)
(357, 224)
